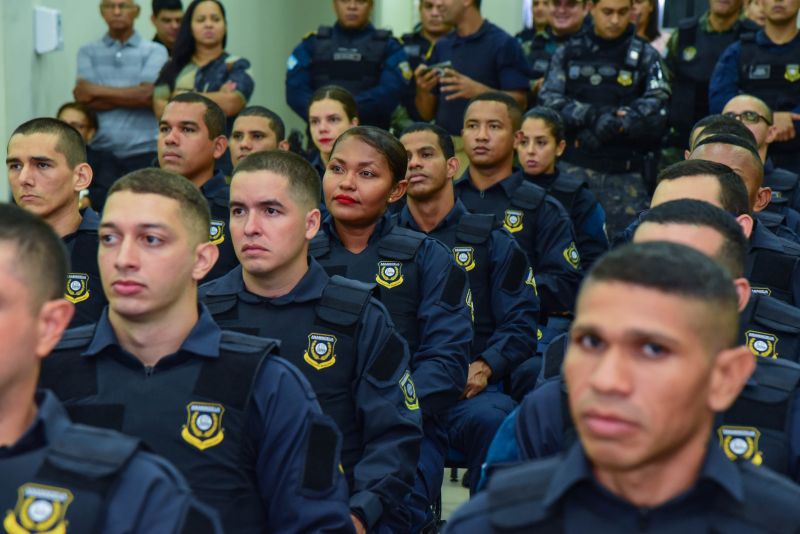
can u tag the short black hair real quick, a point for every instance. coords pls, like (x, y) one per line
(40, 256)
(677, 270)
(90, 115)
(385, 143)
(214, 117)
(445, 141)
(304, 183)
(550, 117)
(69, 140)
(727, 126)
(698, 213)
(739, 143)
(513, 107)
(169, 5)
(767, 110)
(733, 193)
(193, 205)
(275, 122)
(339, 94)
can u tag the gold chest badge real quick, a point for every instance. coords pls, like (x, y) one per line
(740, 443)
(77, 289)
(762, 344)
(465, 257)
(203, 428)
(39, 508)
(320, 353)
(390, 274)
(513, 221)
(216, 232)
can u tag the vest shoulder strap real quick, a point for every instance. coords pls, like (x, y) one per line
(475, 228)
(566, 188)
(783, 180)
(381, 35)
(528, 196)
(553, 357)
(400, 243)
(777, 314)
(776, 267)
(320, 245)
(217, 304)
(229, 379)
(777, 374)
(84, 452)
(76, 338)
(324, 32)
(515, 496)
(343, 301)
(247, 344)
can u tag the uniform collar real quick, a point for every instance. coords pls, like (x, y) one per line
(484, 28)
(769, 166)
(307, 289)
(406, 220)
(215, 185)
(203, 340)
(90, 221)
(366, 29)
(575, 468)
(382, 227)
(133, 41)
(51, 419)
(508, 184)
(763, 238)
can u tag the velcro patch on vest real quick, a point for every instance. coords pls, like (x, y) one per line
(792, 73)
(515, 275)
(385, 365)
(465, 257)
(454, 287)
(390, 274)
(216, 232)
(321, 449)
(347, 54)
(572, 256)
(203, 428)
(405, 70)
(77, 289)
(740, 443)
(39, 508)
(762, 343)
(512, 221)
(759, 72)
(409, 391)
(320, 352)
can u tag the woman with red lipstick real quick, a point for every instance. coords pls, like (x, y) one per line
(200, 63)
(332, 111)
(539, 144)
(417, 280)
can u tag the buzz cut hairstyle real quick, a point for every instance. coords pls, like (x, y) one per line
(213, 117)
(40, 257)
(303, 179)
(191, 202)
(734, 140)
(69, 141)
(733, 251)
(443, 137)
(727, 126)
(513, 107)
(764, 106)
(676, 270)
(734, 197)
(275, 122)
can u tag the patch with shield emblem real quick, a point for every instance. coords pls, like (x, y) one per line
(39, 508)
(77, 287)
(689, 53)
(792, 73)
(625, 78)
(409, 391)
(740, 443)
(203, 428)
(762, 344)
(465, 257)
(320, 353)
(572, 256)
(513, 221)
(216, 233)
(531, 281)
(390, 274)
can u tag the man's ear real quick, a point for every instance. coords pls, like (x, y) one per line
(763, 198)
(772, 133)
(398, 191)
(54, 317)
(452, 167)
(730, 370)
(313, 220)
(742, 292)
(283, 145)
(206, 255)
(82, 177)
(220, 146)
(746, 223)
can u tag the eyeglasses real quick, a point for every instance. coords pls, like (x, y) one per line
(122, 6)
(750, 117)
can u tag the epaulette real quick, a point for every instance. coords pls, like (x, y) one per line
(76, 337)
(320, 245)
(245, 343)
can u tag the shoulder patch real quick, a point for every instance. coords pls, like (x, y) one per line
(572, 256)
(409, 391)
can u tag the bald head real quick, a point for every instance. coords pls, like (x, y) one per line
(744, 162)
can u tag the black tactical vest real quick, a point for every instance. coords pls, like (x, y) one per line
(64, 487)
(537, 54)
(522, 216)
(83, 286)
(354, 64)
(220, 234)
(783, 184)
(775, 79)
(389, 262)
(696, 56)
(416, 48)
(770, 328)
(565, 189)
(771, 273)
(192, 413)
(319, 338)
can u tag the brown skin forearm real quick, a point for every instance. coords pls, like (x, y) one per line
(103, 97)
(426, 105)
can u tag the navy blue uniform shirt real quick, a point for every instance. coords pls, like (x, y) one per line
(548, 244)
(149, 495)
(489, 56)
(380, 457)
(514, 312)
